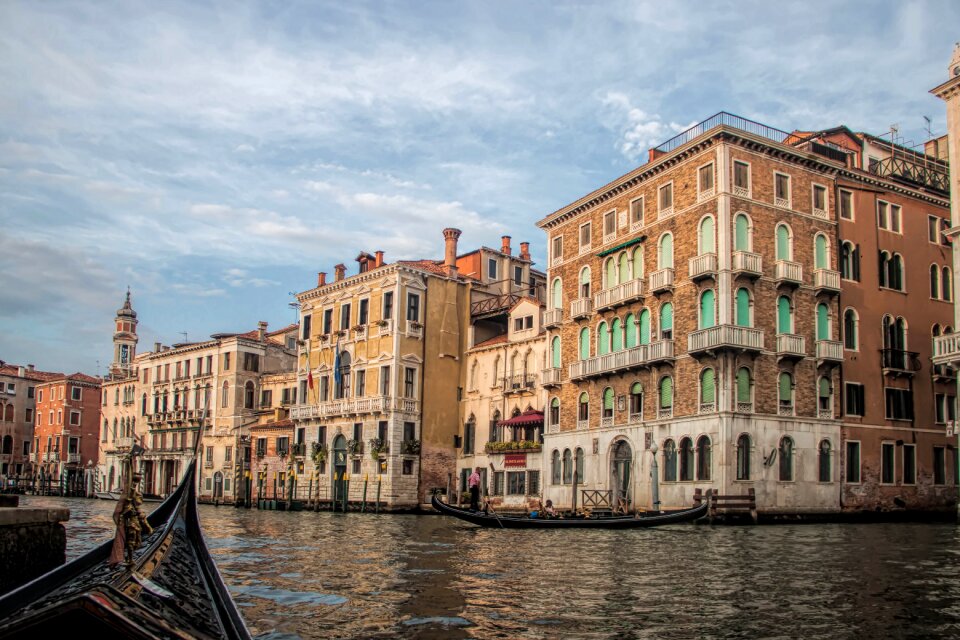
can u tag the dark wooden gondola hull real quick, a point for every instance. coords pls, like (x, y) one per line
(616, 522)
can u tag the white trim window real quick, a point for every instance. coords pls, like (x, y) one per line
(818, 198)
(610, 225)
(586, 230)
(889, 216)
(741, 179)
(705, 181)
(781, 190)
(636, 214)
(665, 199)
(846, 204)
(556, 250)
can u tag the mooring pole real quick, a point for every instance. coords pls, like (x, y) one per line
(363, 505)
(379, 479)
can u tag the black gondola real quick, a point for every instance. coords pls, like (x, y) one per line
(172, 589)
(651, 519)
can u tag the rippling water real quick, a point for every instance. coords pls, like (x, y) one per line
(323, 575)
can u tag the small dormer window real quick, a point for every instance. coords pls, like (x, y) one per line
(492, 268)
(522, 323)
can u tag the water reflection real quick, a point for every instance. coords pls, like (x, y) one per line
(322, 575)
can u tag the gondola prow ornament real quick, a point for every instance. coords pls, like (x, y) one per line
(129, 517)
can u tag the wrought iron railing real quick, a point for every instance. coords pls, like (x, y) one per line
(725, 119)
(899, 360)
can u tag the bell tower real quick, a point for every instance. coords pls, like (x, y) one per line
(124, 339)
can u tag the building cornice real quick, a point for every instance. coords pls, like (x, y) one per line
(882, 184)
(369, 276)
(948, 89)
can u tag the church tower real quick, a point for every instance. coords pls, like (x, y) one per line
(124, 340)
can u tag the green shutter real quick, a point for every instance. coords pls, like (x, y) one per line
(824, 388)
(823, 323)
(555, 403)
(557, 294)
(630, 328)
(666, 393)
(666, 252)
(624, 268)
(584, 343)
(608, 398)
(707, 244)
(585, 276)
(783, 243)
(666, 317)
(785, 386)
(638, 262)
(707, 313)
(820, 253)
(617, 340)
(556, 352)
(603, 339)
(611, 273)
(742, 238)
(743, 385)
(636, 389)
(743, 308)
(707, 387)
(584, 398)
(645, 326)
(783, 315)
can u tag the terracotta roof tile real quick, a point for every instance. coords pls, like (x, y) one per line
(39, 376)
(491, 341)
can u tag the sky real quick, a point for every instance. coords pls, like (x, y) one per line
(213, 157)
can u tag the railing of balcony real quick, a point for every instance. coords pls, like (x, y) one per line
(519, 382)
(946, 349)
(725, 335)
(726, 119)
(826, 279)
(748, 262)
(609, 362)
(661, 350)
(581, 307)
(898, 360)
(789, 271)
(619, 294)
(661, 279)
(552, 318)
(829, 350)
(552, 376)
(788, 343)
(703, 265)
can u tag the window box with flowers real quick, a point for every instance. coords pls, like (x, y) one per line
(355, 447)
(410, 447)
(319, 453)
(377, 447)
(519, 446)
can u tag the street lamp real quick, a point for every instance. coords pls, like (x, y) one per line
(655, 478)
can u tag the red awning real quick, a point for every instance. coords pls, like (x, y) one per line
(531, 416)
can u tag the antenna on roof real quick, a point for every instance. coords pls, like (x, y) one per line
(184, 334)
(929, 126)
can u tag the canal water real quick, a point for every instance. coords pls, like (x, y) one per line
(323, 575)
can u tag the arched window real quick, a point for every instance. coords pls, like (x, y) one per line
(821, 252)
(743, 457)
(884, 269)
(557, 297)
(636, 402)
(113, 433)
(616, 335)
(784, 247)
(703, 458)
(669, 461)
(744, 308)
(665, 252)
(555, 352)
(706, 236)
(946, 284)
(608, 404)
(143, 404)
(610, 273)
(785, 393)
(784, 315)
(555, 412)
(666, 397)
(666, 321)
(686, 460)
(583, 411)
(207, 393)
(555, 467)
(823, 322)
(849, 261)
(786, 459)
(638, 262)
(934, 282)
(894, 335)
(603, 339)
(743, 236)
(224, 399)
(630, 331)
(744, 391)
(248, 395)
(644, 326)
(585, 282)
(824, 397)
(708, 311)
(896, 272)
(106, 430)
(580, 465)
(623, 267)
(584, 343)
(567, 466)
(116, 396)
(823, 461)
(850, 330)
(708, 392)
(342, 387)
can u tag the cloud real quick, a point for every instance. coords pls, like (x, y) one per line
(639, 131)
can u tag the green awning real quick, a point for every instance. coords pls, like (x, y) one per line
(623, 245)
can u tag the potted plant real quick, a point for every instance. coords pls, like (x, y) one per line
(415, 325)
(319, 453)
(382, 323)
(411, 447)
(355, 447)
(377, 446)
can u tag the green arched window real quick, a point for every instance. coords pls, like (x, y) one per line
(645, 326)
(584, 343)
(820, 252)
(611, 272)
(557, 294)
(823, 322)
(603, 339)
(707, 240)
(555, 352)
(708, 393)
(624, 267)
(666, 392)
(743, 385)
(743, 308)
(666, 321)
(785, 390)
(616, 340)
(741, 238)
(585, 282)
(630, 331)
(665, 259)
(608, 402)
(638, 262)
(783, 243)
(707, 309)
(784, 316)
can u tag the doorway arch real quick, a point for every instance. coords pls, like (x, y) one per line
(621, 464)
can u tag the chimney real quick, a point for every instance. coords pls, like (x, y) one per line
(156, 347)
(505, 244)
(261, 330)
(321, 278)
(29, 367)
(450, 236)
(524, 250)
(379, 262)
(20, 372)
(339, 272)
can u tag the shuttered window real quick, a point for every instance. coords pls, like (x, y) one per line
(742, 234)
(584, 343)
(630, 328)
(743, 308)
(786, 389)
(608, 399)
(557, 294)
(624, 268)
(820, 253)
(743, 385)
(707, 387)
(783, 243)
(611, 269)
(666, 393)
(707, 242)
(638, 262)
(666, 321)
(784, 324)
(645, 326)
(823, 322)
(555, 352)
(616, 341)
(666, 252)
(707, 313)
(603, 339)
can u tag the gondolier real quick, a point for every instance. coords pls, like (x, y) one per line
(473, 483)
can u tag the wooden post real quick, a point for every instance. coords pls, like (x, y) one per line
(379, 479)
(753, 505)
(575, 478)
(346, 490)
(363, 505)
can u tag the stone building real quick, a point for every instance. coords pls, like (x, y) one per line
(67, 428)
(18, 405)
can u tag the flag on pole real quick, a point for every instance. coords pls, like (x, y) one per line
(310, 379)
(336, 364)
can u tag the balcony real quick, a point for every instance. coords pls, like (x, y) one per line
(664, 413)
(788, 272)
(946, 349)
(820, 213)
(661, 280)
(744, 407)
(519, 383)
(635, 418)
(552, 318)
(619, 294)
(609, 363)
(896, 362)
(825, 414)
(829, 351)
(790, 346)
(347, 406)
(383, 328)
(826, 281)
(208, 464)
(414, 329)
(51, 456)
(581, 308)
(124, 442)
(298, 449)
(704, 266)
(725, 336)
(513, 446)
(552, 377)
(660, 351)
(748, 264)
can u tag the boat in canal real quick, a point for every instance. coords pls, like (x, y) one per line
(638, 521)
(168, 587)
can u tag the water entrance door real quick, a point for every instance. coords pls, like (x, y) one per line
(620, 464)
(339, 469)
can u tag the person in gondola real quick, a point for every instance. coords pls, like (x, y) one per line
(473, 483)
(549, 511)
